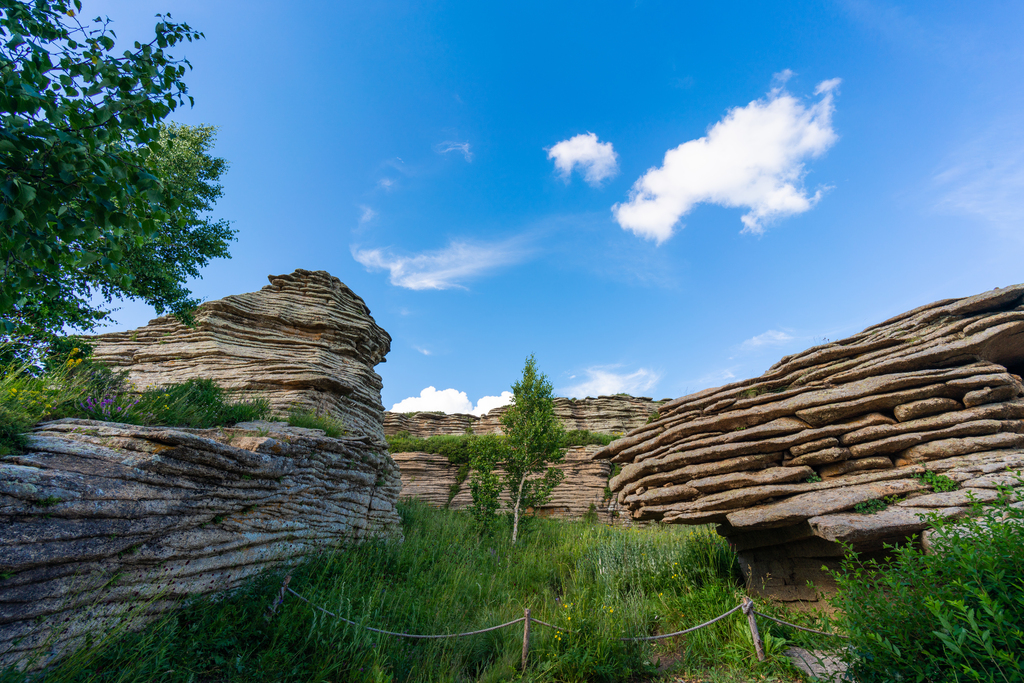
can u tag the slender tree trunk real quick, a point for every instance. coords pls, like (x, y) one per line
(515, 510)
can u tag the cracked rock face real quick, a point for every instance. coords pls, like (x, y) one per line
(305, 340)
(107, 525)
(602, 415)
(781, 461)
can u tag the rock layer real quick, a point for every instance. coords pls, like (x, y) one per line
(603, 415)
(106, 525)
(305, 340)
(935, 389)
(434, 480)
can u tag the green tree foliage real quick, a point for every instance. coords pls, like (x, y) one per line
(82, 205)
(532, 443)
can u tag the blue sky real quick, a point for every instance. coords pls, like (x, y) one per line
(652, 197)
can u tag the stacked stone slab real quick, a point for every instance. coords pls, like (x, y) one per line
(602, 415)
(106, 526)
(434, 480)
(780, 461)
(306, 340)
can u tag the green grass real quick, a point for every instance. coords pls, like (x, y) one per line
(595, 583)
(332, 426)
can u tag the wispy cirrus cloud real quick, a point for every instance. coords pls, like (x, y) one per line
(753, 158)
(452, 146)
(597, 160)
(447, 268)
(602, 380)
(766, 339)
(985, 177)
(366, 214)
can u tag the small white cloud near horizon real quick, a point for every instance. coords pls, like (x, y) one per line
(386, 183)
(425, 352)
(445, 268)
(452, 146)
(753, 158)
(366, 214)
(597, 160)
(450, 401)
(602, 381)
(769, 338)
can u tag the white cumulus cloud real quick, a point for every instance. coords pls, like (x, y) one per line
(604, 381)
(451, 146)
(597, 160)
(450, 401)
(445, 268)
(753, 158)
(769, 338)
(488, 403)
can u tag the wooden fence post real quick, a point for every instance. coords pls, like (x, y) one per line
(526, 636)
(748, 609)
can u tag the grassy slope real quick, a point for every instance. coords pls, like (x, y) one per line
(597, 583)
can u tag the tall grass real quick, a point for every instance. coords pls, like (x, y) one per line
(595, 583)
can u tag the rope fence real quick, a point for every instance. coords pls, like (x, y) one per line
(747, 607)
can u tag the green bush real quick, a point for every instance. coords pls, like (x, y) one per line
(956, 614)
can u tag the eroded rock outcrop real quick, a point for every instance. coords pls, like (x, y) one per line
(781, 461)
(602, 415)
(434, 480)
(304, 340)
(107, 525)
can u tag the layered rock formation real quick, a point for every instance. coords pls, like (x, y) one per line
(305, 340)
(106, 526)
(780, 461)
(431, 478)
(602, 415)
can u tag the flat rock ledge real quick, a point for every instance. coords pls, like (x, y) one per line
(107, 525)
(435, 481)
(305, 340)
(779, 462)
(603, 415)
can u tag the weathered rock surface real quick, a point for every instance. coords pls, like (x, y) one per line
(305, 340)
(104, 524)
(602, 415)
(433, 479)
(937, 388)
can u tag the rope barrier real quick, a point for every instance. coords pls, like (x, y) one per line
(802, 628)
(689, 630)
(747, 606)
(406, 635)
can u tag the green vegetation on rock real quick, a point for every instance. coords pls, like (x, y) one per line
(70, 385)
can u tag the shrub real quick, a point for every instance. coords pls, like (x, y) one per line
(952, 615)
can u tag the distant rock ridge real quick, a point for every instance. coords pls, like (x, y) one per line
(779, 462)
(603, 415)
(305, 340)
(434, 480)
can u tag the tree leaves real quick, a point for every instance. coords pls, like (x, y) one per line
(80, 192)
